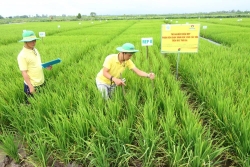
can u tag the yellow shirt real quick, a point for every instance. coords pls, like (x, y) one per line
(30, 61)
(115, 68)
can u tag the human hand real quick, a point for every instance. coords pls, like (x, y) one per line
(49, 67)
(31, 89)
(151, 75)
(119, 82)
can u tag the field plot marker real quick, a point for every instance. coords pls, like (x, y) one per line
(148, 42)
(204, 28)
(42, 35)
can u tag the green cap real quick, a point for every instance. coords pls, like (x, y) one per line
(28, 36)
(127, 47)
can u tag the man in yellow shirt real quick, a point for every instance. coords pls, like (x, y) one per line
(29, 62)
(109, 76)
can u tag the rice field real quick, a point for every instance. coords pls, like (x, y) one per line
(198, 119)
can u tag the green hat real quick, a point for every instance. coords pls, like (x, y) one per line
(28, 36)
(127, 47)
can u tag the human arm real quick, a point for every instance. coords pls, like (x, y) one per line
(117, 81)
(27, 81)
(143, 74)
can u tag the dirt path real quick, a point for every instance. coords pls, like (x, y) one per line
(211, 41)
(2, 156)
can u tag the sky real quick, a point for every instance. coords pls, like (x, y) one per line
(117, 7)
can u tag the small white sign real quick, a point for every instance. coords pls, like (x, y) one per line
(147, 41)
(204, 27)
(41, 34)
(58, 26)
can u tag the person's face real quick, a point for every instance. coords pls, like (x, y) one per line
(30, 45)
(127, 56)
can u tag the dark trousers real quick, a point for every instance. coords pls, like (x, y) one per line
(27, 91)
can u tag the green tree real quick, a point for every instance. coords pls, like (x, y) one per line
(79, 16)
(93, 14)
(1, 17)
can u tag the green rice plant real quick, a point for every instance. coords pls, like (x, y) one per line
(99, 154)
(149, 145)
(218, 91)
(119, 144)
(60, 132)
(173, 151)
(41, 153)
(9, 144)
(152, 124)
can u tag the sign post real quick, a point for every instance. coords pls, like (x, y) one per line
(204, 28)
(42, 35)
(147, 42)
(177, 62)
(179, 38)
